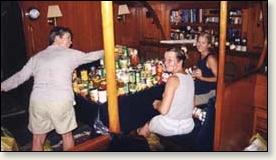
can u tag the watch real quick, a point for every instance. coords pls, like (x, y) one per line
(33, 13)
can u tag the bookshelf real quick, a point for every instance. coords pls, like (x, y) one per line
(187, 23)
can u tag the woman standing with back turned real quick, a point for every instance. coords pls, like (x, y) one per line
(51, 101)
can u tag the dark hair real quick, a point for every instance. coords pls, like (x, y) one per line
(180, 54)
(58, 31)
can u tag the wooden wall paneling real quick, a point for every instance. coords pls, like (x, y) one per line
(78, 16)
(132, 29)
(151, 52)
(192, 4)
(149, 32)
(264, 6)
(36, 32)
(237, 115)
(242, 64)
(154, 11)
(86, 27)
(260, 124)
(260, 96)
(128, 32)
(140, 19)
(263, 58)
(255, 34)
(149, 29)
(194, 56)
(166, 21)
(95, 26)
(245, 21)
(238, 61)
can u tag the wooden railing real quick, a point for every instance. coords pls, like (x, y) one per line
(97, 144)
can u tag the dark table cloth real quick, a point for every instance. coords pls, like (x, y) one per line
(134, 109)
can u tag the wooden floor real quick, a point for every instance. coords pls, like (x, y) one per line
(17, 125)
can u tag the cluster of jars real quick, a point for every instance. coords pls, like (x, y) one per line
(132, 75)
(90, 84)
(239, 44)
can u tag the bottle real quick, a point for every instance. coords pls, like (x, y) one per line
(216, 41)
(232, 44)
(238, 43)
(102, 94)
(93, 92)
(125, 51)
(84, 75)
(213, 37)
(244, 44)
(137, 77)
(188, 32)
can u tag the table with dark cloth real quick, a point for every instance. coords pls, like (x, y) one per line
(134, 109)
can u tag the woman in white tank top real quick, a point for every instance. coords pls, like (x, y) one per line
(176, 107)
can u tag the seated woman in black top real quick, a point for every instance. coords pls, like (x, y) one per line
(206, 73)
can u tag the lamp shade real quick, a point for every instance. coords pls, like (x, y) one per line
(123, 9)
(54, 11)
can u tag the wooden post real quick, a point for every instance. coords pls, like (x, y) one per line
(220, 82)
(108, 37)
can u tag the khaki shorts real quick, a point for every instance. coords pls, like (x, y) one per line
(204, 98)
(48, 115)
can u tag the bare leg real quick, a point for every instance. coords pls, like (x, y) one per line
(68, 141)
(144, 131)
(38, 142)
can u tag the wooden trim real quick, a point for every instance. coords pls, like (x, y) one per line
(237, 114)
(97, 144)
(155, 18)
(264, 51)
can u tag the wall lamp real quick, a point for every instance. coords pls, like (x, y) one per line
(53, 13)
(122, 11)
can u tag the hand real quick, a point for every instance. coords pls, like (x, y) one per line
(193, 76)
(197, 73)
(156, 103)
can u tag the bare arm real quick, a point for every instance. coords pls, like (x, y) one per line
(164, 106)
(211, 64)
